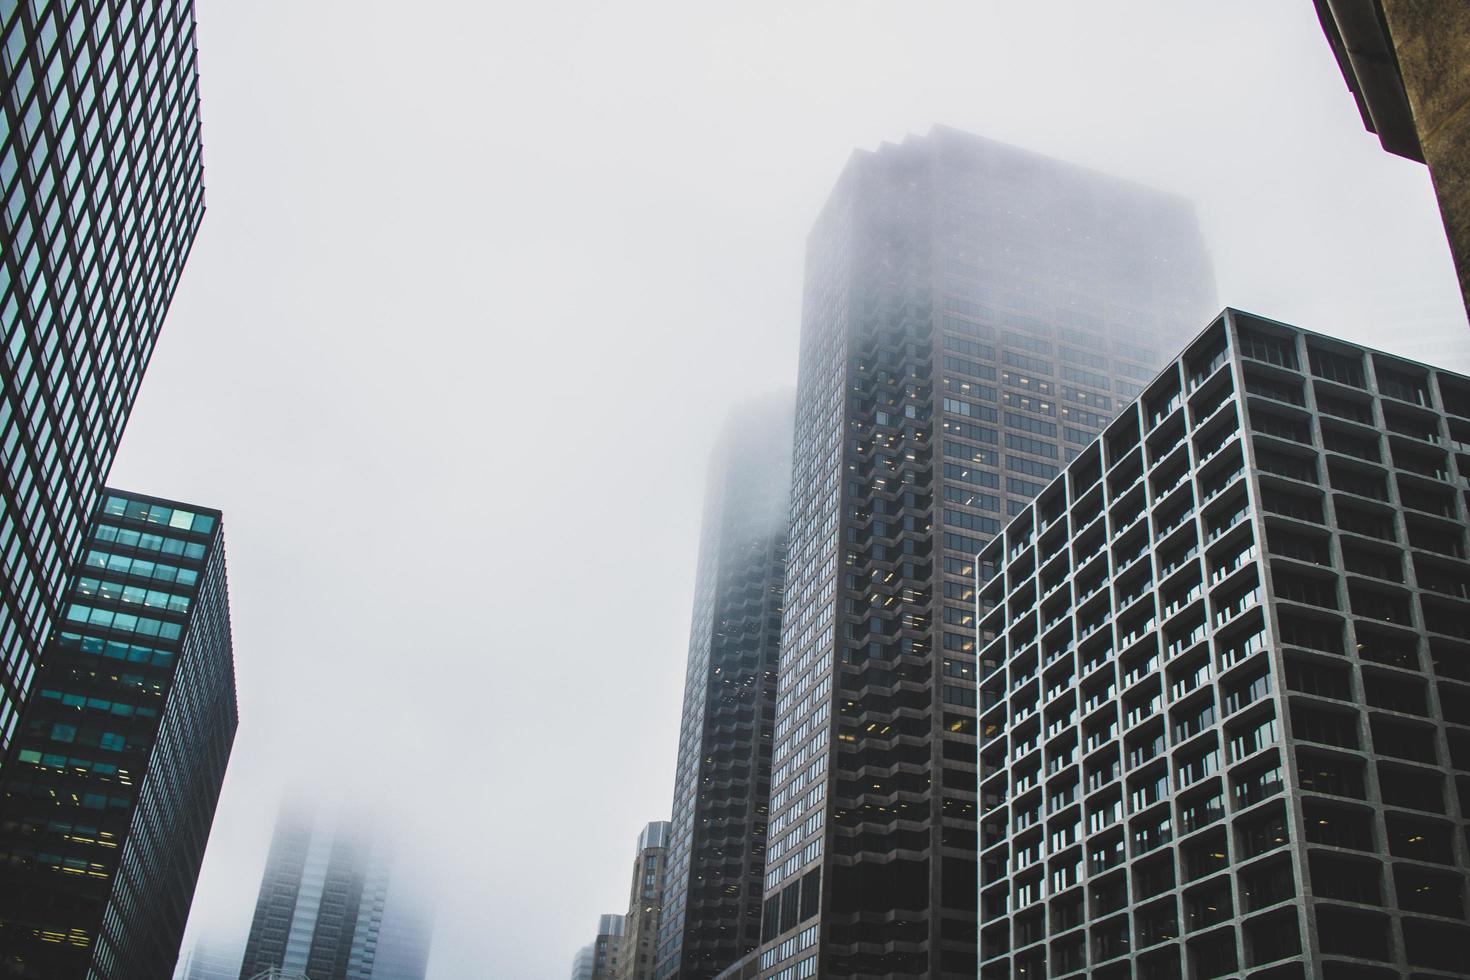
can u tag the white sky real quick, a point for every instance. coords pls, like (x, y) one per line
(477, 285)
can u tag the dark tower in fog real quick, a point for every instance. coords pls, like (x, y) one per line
(121, 751)
(711, 913)
(973, 315)
(102, 191)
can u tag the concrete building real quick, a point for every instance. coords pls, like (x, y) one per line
(102, 202)
(1225, 678)
(717, 846)
(607, 947)
(1407, 63)
(108, 799)
(974, 314)
(645, 903)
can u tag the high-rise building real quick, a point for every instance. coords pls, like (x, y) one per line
(645, 903)
(607, 948)
(209, 958)
(1225, 678)
(1407, 64)
(102, 191)
(712, 901)
(973, 315)
(116, 767)
(331, 905)
(582, 963)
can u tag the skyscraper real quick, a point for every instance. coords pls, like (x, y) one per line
(973, 314)
(101, 193)
(332, 906)
(106, 806)
(711, 912)
(1225, 678)
(582, 963)
(607, 947)
(208, 958)
(645, 902)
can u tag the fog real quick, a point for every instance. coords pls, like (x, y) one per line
(477, 287)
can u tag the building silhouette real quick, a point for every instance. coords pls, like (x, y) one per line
(973, 315)
(332, 904)
(607, 947)
(1225, 678)
(101, 180)
(717, 847)
(1407, 64)
(582, 963)
(116, 767)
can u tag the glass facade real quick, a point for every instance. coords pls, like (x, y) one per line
(101, 193)
(973, 315)
(717, 850)
(121, 751)
(330, 905)
(1225, 678)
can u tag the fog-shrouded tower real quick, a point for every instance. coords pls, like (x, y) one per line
(334, 903)
(973, 314)
(102, 183)
(711, 913)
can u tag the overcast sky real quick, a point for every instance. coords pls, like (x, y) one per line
(477, 285)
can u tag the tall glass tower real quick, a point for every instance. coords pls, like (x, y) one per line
(101, 193)
(973, 315)
(711, 914)
(329, 906)
(121, 751)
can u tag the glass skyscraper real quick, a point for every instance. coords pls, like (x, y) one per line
(116, 768)
(332, 906)
(973, 316)
(711, 911)
(1225, 679)
(101, 193)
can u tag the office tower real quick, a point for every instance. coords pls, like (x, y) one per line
(1407, 64)
(330, 904)
(582, 963)
(711, 912)
(973, 314)
(1225, 678)
(208, 958)
(645, 902)
(116, 767)
(607, 948)
(102, 191)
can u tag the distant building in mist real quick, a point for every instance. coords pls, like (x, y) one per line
(607, 947)
(208, 958)
(102, 201)
(1408, 66)
(582, 962)
(712, 899)
(107, 802)
(645, 902)
(974, 314)
(333, 906)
